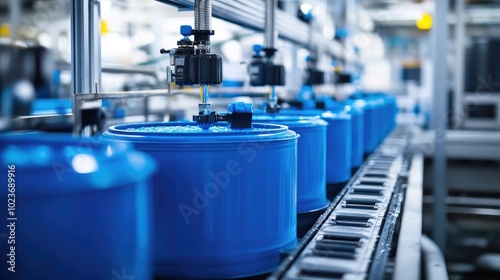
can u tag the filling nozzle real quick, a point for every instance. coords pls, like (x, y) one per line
(204, 94)
(193, 64)
(272, 103)
(204, 108)
(262, 69)
(272, 97)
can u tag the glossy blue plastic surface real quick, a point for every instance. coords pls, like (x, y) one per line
(376, 128)
(339, 143)
(357, 115)
(82, 208)
(186, 30)
(383, 112)
(390, 110)
(225, 202)
(393, 109)
(311, 158)
(43, 106)
(371, 121)
(380, 117)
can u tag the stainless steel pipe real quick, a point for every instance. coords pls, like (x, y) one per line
(270, 28)
(203, 15)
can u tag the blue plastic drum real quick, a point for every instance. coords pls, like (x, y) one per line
(371, 123)
(79, 209)
(391, 110)
(385, 111)
(384, 115)
(339, 135)
(393, 107)
(357, 115)
(225, 200)
(311, 167)
(338, 147)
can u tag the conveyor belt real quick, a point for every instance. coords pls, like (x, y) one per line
(353, 239)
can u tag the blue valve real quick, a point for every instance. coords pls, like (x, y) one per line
(257, 49)
(309, 15)
(186, 30)
(119, 113)
(240, 107)
(341, 33)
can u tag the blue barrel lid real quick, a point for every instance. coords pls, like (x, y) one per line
(60, 163)
(380, 99)
(369, 102)
(326, 115)
(358, 103)
(336, 115)
(374, 96)
(191, 132)
(291, 120)
(347, 106)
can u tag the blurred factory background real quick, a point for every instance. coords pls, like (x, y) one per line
(81, 66)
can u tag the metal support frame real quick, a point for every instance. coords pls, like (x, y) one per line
(408, 255)
(439, 119)
(15, 17)
(435, 266)
(270, 25)
(351, 9)
(270, 38)
(351, 16)
(203, 15)
(118, 69)
(293, 76)
(475, 99)
(312, 47)
(250, 14)
(86, 54)
(122, 94)
(460, 14)
(464, 144)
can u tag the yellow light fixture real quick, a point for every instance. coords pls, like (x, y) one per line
(104, 27)
(424, 22)
(4, 30)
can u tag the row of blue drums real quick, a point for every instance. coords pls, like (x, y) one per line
(177, 201)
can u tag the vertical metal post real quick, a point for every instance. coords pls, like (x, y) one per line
(351, 25)
(270, 25)
(85, 54)
(460, 65)
(270, 38)
(293, 76)
(313, 48)
(439, 119)
(352, 28)
(203, 15)
(15, 17)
